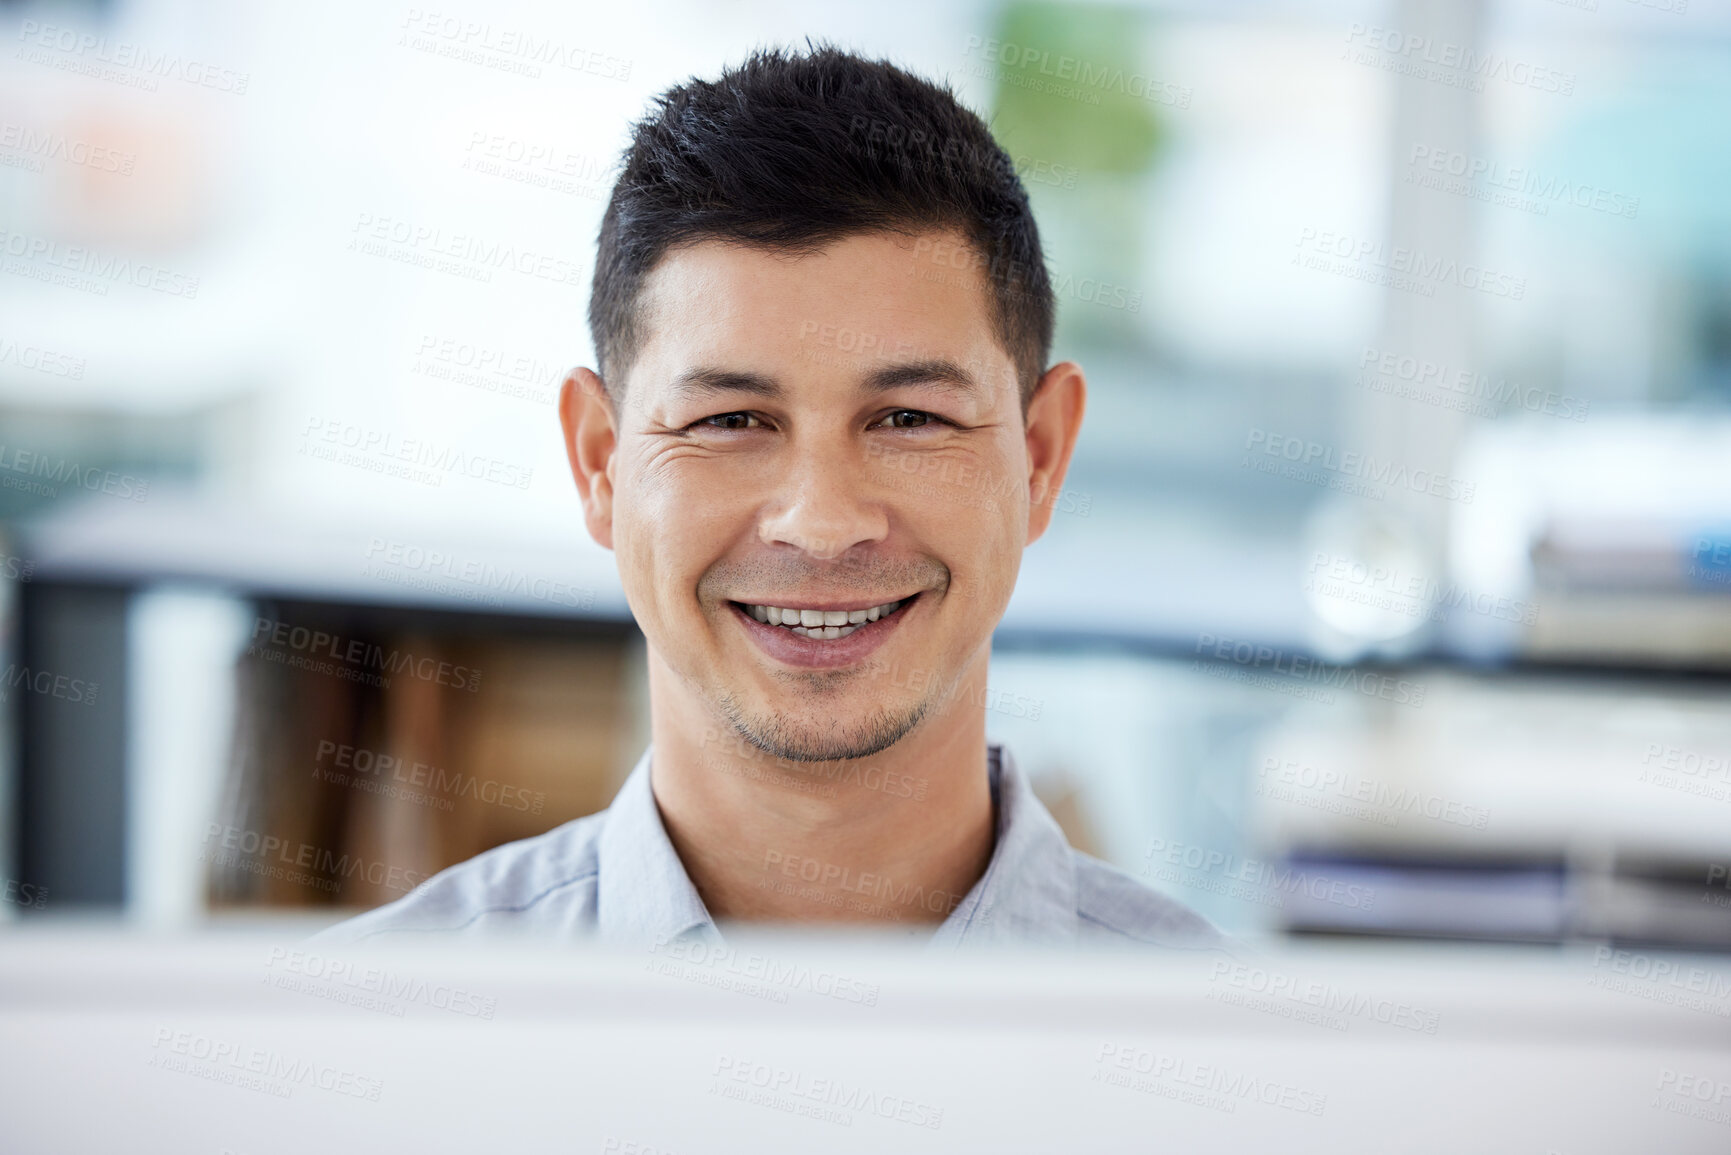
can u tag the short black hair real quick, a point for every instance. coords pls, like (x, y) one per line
(792, 150)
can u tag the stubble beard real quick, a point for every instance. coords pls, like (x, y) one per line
(793, 741)
(813, 691)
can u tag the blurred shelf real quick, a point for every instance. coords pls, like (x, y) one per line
(1137, 587)
(1537, 808)
(178, 537)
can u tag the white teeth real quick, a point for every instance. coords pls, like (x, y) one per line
(820, 623)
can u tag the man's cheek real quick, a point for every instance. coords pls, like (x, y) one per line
(667, 536)
(645, 552)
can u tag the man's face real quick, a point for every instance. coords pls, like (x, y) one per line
(838, 434)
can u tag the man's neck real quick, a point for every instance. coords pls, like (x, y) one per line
(896, 838)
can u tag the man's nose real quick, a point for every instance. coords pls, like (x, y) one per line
(824, 508)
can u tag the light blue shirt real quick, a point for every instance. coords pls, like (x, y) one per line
(615, 877)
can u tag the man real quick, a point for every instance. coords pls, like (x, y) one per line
(821, 433)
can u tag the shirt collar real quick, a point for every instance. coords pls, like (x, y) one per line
(643, 895)
(1028, 892)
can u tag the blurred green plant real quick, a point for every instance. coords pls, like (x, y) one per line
(1053, 62)
(1076, 107)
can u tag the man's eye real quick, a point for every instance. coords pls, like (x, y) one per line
(731, 421)
(906, 419)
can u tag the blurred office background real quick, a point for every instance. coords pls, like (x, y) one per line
(1391, 596)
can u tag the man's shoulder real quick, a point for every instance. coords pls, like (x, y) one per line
(544, 882)
(1113, 906)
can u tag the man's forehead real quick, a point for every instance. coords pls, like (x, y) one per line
(869, 296)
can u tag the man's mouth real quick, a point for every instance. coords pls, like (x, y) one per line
(821, 624)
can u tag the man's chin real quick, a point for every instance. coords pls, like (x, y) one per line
(798, 741)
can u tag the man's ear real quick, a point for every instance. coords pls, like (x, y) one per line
(591, 437)
(1054, 419)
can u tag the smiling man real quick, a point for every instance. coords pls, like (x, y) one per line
(821, 432)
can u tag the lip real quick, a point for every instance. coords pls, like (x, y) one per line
(788, 647)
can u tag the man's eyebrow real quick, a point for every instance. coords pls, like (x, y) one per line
(938, 372)
(704, 382)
